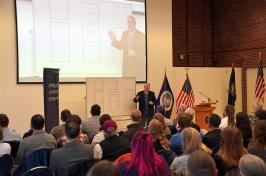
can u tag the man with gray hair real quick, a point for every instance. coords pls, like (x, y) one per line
(146, 99)
(250, 165)
(134, 126)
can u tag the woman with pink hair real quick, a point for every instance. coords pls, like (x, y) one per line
(143, 159)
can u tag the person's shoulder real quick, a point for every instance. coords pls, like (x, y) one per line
(5, 145)
(140, 92)
(252, 148)
(177, 135)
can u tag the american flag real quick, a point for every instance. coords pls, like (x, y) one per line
(260, 85)
(186, 96)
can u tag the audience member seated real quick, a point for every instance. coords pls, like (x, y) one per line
(243, 124)
(104, 168)
(230, 152)
(184, 121)
(27, 134)
(113, 145)
(9, 135)
(38, 140)
(213, 137)
(191, 142)
(82, 137)
(261, 114)
(252, 116)
(72, 152)
(58, 131)
(6, 165)
(201, 164)
(191, 112)
(181, 110)
(143, 159)
(134, 126)
(166, 129)
(160, 142)
(251, 165)
(161, 109)
(258, 144)
(229, 117)
(4, 147)
(99, 137)
(82, 167)
(91, 125)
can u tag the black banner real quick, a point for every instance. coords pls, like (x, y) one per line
(51, 97)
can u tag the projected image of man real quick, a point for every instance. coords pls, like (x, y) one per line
(132, 43)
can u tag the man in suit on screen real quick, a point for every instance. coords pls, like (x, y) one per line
(132, 42)
(146, 99)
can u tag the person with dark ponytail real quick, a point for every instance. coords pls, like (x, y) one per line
(229, 119)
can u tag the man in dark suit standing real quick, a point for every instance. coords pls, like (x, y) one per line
(146, 99)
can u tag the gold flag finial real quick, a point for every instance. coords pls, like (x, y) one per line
(259, 55)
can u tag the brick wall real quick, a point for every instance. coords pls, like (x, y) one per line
(239, 29)
(192, 32)
(218, 33)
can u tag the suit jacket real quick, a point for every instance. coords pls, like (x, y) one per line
(71, 153)
(138, 43)
(141, 100)
(132, 61)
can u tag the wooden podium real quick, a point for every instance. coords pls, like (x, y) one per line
(202, 111)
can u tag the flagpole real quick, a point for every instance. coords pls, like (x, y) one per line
(186, 69)
(164, 71)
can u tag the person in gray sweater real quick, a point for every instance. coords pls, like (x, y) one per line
(72, 153)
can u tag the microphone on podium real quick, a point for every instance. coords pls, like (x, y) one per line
(209, 99)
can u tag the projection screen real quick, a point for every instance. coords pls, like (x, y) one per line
(83, 38)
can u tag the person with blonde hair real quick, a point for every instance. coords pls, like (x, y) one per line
(191, 142)
(251, 165)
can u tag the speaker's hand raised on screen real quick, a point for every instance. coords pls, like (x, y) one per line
(112, 36)
(137, 97)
